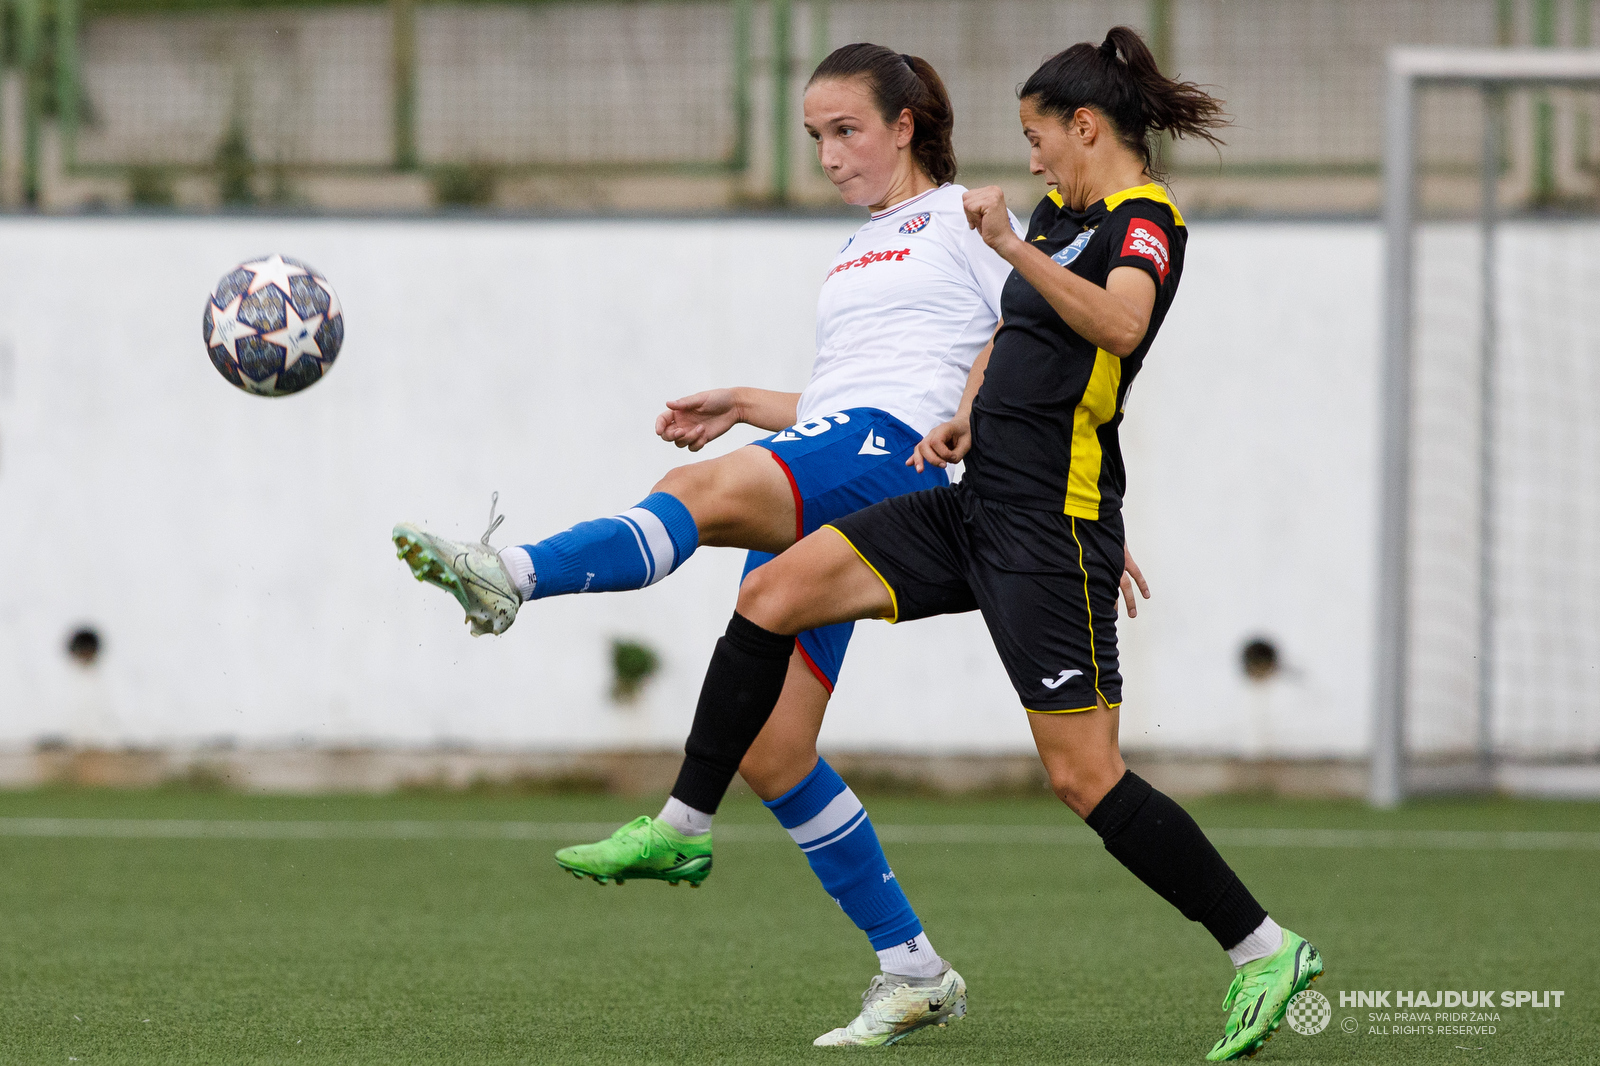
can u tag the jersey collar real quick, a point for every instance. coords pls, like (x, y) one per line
(904, 204)
(1148, 191)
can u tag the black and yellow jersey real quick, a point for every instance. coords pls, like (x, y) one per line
(1044, 423)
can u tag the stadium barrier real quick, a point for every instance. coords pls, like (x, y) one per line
(497, 357)
(693, 104)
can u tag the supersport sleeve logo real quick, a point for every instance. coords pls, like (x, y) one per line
(1146, 239)
(870, 257)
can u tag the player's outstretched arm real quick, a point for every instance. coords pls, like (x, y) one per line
(695, 421)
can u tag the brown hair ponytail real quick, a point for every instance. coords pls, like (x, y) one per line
(898, 82)
(1130, 91)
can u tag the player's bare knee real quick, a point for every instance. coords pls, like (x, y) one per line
(1080, 787)
(688, 484)
(768, 601)
(759, 770)
(711, 493)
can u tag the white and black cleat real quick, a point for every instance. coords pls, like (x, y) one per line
(472, 573)
(893, 1007)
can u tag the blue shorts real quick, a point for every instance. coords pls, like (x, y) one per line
(836, 465)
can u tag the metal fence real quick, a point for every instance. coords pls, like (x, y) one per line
(704, 87)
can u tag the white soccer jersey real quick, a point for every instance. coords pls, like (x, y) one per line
(907, 305)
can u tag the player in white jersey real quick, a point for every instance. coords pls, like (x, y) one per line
(907, 305)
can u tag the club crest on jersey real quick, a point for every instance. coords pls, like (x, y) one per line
(1145, 239)
(915, 223)
(1075, 249)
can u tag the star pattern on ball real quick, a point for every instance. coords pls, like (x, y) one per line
(226, 329)
(272, 271)
(297, 337)
(334, 310)
(267, 386)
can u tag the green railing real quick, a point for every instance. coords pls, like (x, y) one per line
(724, 74)
(46, 54)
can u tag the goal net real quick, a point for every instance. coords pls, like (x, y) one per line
(1489, 634)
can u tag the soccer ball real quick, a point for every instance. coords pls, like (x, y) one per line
(273, 326)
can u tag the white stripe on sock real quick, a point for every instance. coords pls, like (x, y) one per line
(658, 542)
(835, 816)
(824, 842)
(644, 552)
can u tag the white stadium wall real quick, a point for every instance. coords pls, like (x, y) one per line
(233, 551)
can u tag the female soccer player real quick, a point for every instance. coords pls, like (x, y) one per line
(1032, 536)
(910, 301)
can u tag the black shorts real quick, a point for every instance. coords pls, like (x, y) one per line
(1046, 583)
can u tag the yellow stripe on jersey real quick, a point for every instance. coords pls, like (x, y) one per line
(1088, 606)
(1150, 191)
(1098, 406)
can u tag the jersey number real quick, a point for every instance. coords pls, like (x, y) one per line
(812, 427)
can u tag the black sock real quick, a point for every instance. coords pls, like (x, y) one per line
(742, 686)
(1163, 847)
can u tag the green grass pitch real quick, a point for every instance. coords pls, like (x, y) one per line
(463, 948)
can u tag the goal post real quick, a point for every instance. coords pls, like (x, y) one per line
(1492, 73)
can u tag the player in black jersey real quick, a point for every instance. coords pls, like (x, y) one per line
(1032, 536)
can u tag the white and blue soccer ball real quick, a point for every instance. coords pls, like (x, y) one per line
(273, 326)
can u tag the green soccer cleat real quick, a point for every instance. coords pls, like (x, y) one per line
(644, 848)
(894, 1007)
(472, 573)
(1260, 995)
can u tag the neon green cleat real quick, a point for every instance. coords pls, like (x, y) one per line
(644, 848)
(1260, 995)
(472, 573)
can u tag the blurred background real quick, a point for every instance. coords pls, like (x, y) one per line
(691, 106)
(546, 218)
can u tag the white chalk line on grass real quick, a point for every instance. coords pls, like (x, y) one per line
(577, 832)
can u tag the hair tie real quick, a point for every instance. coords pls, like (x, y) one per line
(1108, 48)
(910, 64)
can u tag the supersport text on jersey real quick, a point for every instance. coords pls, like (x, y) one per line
(903, 312)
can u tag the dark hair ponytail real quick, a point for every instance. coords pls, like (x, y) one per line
(1131, 92)
(899, 82)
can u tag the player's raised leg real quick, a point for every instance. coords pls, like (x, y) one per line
(1162, 846)
(742, 499)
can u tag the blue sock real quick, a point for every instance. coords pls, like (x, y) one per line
(833, 829)
(631, 550)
